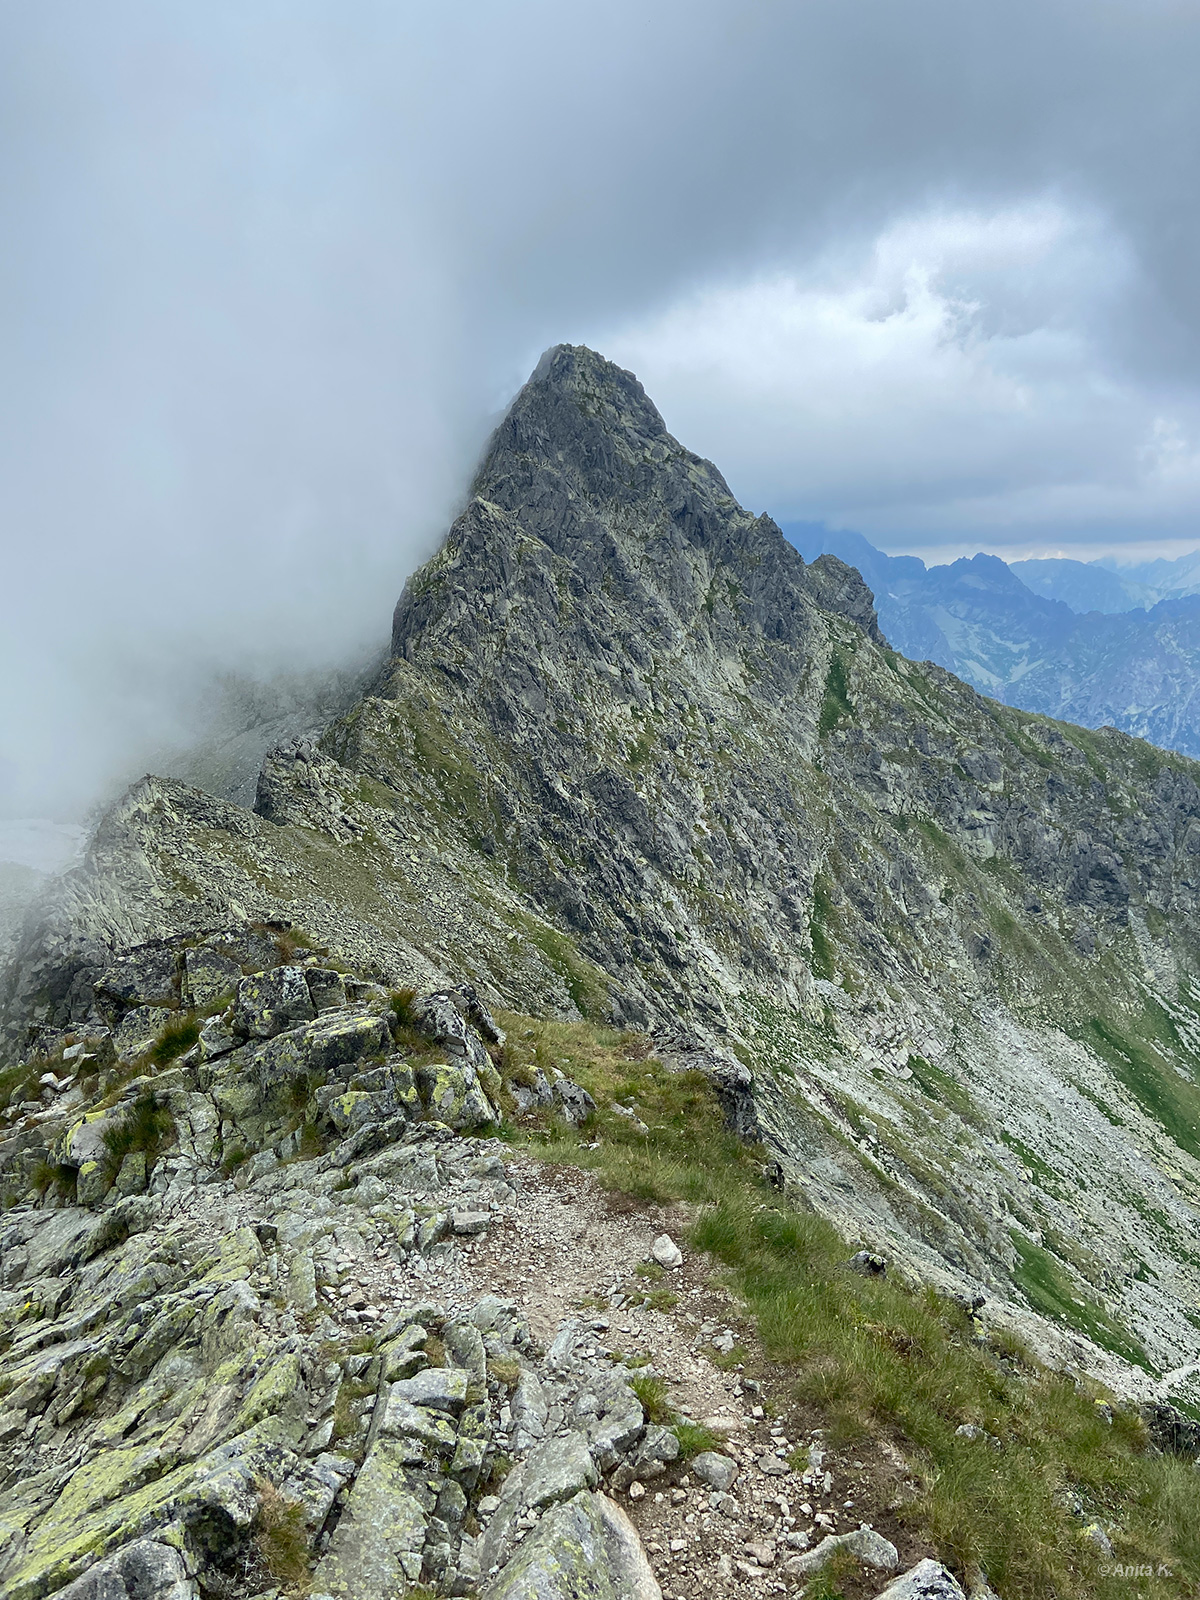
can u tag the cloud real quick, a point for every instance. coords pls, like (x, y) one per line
(272, 266)
(947, 381)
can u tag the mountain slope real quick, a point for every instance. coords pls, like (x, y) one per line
(1137, 670)
(633, 757)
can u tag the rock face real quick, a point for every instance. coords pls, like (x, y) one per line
(632, 757)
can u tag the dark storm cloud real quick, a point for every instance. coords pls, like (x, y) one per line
(269, 268)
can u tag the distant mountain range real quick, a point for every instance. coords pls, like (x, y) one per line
(1083, 641)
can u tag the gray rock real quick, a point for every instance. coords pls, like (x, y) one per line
(666, 1252)
(584, 1549)
(138, 1029)
(717, 1471)
(209, 976)
(271, 1003)
(871, 1548)
(575, 1103)
(326, 988)
(439, 1388)
(529, 1410)
(928, 1580)
(469, 1223)
(144, 1570)
(375, 1551)
(557, 1469)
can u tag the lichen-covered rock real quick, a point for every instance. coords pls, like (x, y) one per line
(326, 988)
(144, 1570)
(584, 1549)
(272, 1002)
(454, 1095)
(138, 1029)
(375, 1552)
(209, 976)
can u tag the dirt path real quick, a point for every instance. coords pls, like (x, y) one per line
(563, 1247)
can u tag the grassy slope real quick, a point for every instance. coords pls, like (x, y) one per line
(873, 1357)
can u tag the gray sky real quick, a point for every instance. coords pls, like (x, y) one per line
(270, 268)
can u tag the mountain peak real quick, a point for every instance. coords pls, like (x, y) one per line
(588, 514)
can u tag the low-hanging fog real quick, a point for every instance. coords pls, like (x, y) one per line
(271, 268)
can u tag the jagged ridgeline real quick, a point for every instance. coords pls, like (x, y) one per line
(633, 761)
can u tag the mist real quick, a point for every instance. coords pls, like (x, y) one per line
(271, 272)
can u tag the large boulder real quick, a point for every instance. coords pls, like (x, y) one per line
(272, 1002)
(583, 1549)
(144, 1570)
(375, 1552)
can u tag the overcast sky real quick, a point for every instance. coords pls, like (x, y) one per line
(270, 268)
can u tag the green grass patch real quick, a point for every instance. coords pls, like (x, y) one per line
(175, 1039)
(145, 1126)
(1049, 1289)
(694, 1438)
(940, 1086)
(835, 703)
(652, 1392)
(1171, 1101)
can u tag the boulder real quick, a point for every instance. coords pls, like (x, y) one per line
(144, 976)
(143, 1570)
(375, 1551)
(439, 1388)
(871, 1548)
(209, 976)
(716, 1470)
(326, 989)
(584, 1549)
(575, 1103)
(271, 1003)
(139, 1028)
(454, 1095)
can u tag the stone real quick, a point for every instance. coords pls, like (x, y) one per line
(716, 1470)
(666, 1252)
(375, 1551)
(452, 1092)
(1098, 1539)
(583, 1549)
(143, 1570)
(209, 976)
(439, 1388)
(469, 1223)
(928, 1580)
(144, 976)
(871, 1548)
(272, 1002)
(529, 1410)
(772, 1466)
(326, 989)
(574, 1102)
(139, 1028)
(557, 1469)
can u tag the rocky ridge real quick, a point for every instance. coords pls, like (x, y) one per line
(251, 1329)
(633, 759)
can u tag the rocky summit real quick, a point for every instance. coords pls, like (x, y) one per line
(645, 854)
